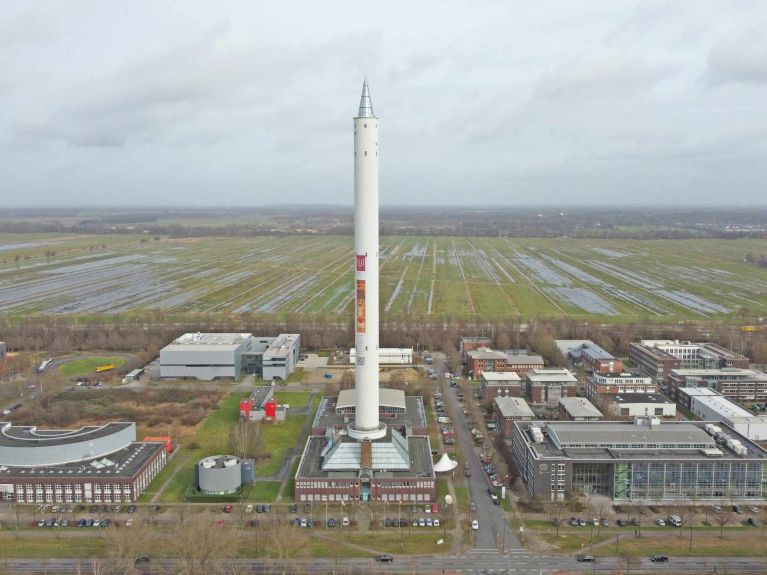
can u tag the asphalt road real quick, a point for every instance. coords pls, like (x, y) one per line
(472, 563)
(493, 532)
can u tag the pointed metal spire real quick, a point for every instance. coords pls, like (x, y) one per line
(366, 104)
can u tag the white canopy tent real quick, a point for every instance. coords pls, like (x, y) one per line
(445, 464)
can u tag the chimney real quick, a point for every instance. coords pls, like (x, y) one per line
(366, 454)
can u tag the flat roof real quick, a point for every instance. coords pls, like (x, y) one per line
(656, 398)
(513, 407)
(597, 352)
(698, 391)
(211, 339)
(498, 376)
(723, 406)
(476, 339)
(413, 416)
(552, 374)
(566, 345)
(579, 407)
(613, 440)
(721, 371)
(30, 436)
(282, 346)
(388, 397)
(123, 463)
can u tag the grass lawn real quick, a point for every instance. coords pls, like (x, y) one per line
(442, 489)
(88, 365)
(262, 491)
(49, 547)
(414, 544)
(462, 494)
(290, 489)
(296, 399)
(297, 376)
(702, 546)
(278, 438)
(161, 478)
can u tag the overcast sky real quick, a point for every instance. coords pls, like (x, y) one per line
(481, 103)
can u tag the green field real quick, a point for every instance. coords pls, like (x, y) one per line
(88, 365)
(420, 276)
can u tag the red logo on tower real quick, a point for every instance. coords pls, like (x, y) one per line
(361, 263)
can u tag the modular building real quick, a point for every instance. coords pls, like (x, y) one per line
(645, 461)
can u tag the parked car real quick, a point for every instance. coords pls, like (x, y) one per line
(473, 506)
(427, 508)
(331, 522)
(422, 522)
(620, 523)
(227, 509)
(345, 522)
(585, 558)
(659, 558)
(752, 522)
(753, 509)
(303, 522)
(660, 522)
(293, 508)
(605, 523)
(429, 522)
(253, 523)
(248, 509)
(475, 525)
(582, 522)
(436, 523)
(131, 509)
(737, 509)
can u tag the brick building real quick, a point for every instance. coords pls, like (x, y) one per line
(492, 384)
(468, 344)
(509, 410)
(549, 385)
(597, 384)
(486, 359)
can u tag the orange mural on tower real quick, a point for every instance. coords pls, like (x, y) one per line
(360, 306)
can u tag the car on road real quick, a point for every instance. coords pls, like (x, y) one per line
(386, 558)
(659, 558)
(475, 525)
(585, 558)
(660, 522)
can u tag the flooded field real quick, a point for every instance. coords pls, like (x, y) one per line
(489, 277)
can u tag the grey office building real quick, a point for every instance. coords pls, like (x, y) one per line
(645, 461)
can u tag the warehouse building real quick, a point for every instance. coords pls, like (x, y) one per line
(549, 385)
(643, 461)
(209, 356)
(710, 405)
(94, 464)
(734, 383)
(578, 409)
(388, 356)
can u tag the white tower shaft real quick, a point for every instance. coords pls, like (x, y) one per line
(366, 275)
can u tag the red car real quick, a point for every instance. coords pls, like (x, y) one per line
(228, 509)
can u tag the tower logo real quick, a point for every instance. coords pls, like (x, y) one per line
(361, 263)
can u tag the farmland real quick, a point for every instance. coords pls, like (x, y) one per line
(42, 274)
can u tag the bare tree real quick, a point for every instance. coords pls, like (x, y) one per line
(285, 542)
(722, 519)
(245, 439)
(125, 545)
(629, 559)
(201, 546)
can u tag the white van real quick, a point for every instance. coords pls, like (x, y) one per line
(675, 520)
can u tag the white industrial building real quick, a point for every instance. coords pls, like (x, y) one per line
(635, 404)
(710, 405)
(208, 356)
(388, 355)
(205, 355)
